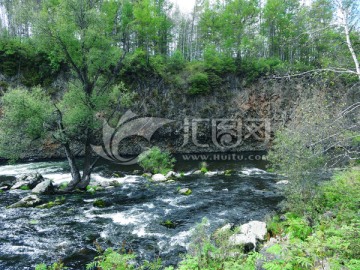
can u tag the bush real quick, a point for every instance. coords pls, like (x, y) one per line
(176, 62)
(112, 260)
(156, 161)
(199, 83)
(309, 147)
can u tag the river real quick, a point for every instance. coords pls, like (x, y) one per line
(133, 217)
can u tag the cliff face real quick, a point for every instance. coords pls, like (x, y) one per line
(235, 116)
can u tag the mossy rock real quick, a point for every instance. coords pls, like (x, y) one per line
(99, 203)
(168, 224)
(51, 204)
(185, 191)
(229, 172)
(26, 187)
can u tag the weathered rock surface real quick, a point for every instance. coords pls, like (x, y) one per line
(45, 187)
(28, 201)
(250, 234)
(170, 174)
(185, 191)
(30, 181)
(158, 178)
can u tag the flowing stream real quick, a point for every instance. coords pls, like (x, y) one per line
(133, 215)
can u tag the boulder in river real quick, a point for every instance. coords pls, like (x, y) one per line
(185, 191)
(45, 187)
(209, 174)
(249, 234)
(158, 178)
(28, 201)
(170, 174)
(29, 181)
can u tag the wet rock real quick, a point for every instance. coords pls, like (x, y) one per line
(45, 187)
(28, 201)
(137, 172)
(210, 174)
(5, 188)
(198, 172)
(170, 174)
(250, 234)
(30, 181)
(283, 182)
(248, 241)
(158, 178)
(229, 172)
(185, 191)
(147, 175)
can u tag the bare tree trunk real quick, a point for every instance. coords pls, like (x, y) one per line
(345, 22)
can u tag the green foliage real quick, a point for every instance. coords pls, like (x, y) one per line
(304, 150)
(199, 83)
(23, 58)
(55, 266)
(25, 118)
(91, 189)
(334, 237)
(203, 167)
(112, 260)
(155, 161)
(252, 69)
(176, 62)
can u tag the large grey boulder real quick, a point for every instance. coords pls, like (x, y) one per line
(30, 181)
(158, 178)
(45, 187)
(250, 234)
(28, 201)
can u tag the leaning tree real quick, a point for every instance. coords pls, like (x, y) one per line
(83, 35)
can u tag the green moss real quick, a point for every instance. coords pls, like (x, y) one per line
(168, 224)
(33, 222)
(51, 204)
(91, 189)
(99, 203)
(63, 186)
(26, 187)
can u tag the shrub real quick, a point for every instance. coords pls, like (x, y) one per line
(176, 62)
(156, 161)
(112, 260)
(199, 83)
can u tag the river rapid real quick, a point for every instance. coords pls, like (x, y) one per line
(134, 212)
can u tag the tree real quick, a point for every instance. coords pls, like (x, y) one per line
(349, 9)
(79, 33)
(322, 135)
